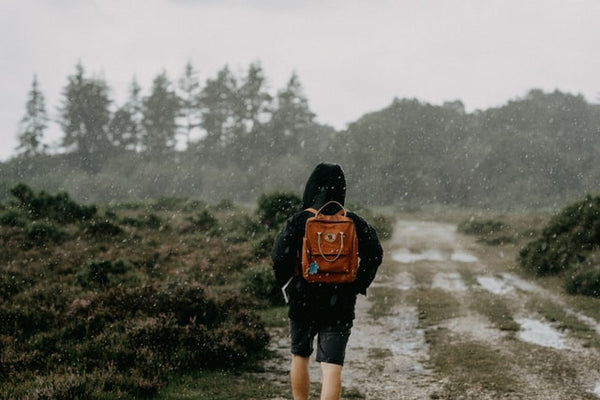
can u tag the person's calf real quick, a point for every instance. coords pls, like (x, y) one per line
(299, 377)
(332, 381)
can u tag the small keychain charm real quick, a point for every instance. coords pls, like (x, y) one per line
(313, 268)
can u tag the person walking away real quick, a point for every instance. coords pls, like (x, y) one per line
(321, 309)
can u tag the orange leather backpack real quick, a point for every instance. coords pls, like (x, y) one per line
(330, 247)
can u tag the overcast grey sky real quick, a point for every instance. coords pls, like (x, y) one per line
(352, 57)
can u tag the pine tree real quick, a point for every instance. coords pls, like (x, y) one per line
(160, 111)
(125, 125)
(34, 123)
(85, 116)
(254, 100)
(252, 110)
(217, 103)
(292, 118)
(189, 87)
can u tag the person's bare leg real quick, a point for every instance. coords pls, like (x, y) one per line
(299, 377)
(332, 381)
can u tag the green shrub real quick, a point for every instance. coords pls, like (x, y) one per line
(168, 204)
(224, 204)
(240, 228)
(585, 282)
(12, 283)
(275, 208)
(102, 229)
(59, 208)
(584, 279)
(263, 245)
(13, 218)
(43, 232)
(567, 239)
(384, 226)
(145, 221)
(101, 273)
(259, 282)
(84, 318)
(205, 222)
(123, 340)
(474, 226)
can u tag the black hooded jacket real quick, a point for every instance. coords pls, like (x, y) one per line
(327, 303)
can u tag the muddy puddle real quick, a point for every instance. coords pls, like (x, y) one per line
(384, 348)
(448, 281)
(398, 331)
(540, 333)
(406, 256)
(505, 283)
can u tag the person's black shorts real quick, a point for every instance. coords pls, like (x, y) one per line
(331, 340)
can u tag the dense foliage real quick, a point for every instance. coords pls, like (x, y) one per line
(110, 303)
(569, 246)
(231, 137)
(102, 302)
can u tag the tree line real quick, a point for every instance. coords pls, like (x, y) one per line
(225, 114)
(232, 137)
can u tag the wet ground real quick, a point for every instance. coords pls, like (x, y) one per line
(389, 355)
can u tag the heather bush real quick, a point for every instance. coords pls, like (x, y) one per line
(144, 221)
(275, 208)
(474, 226)
(114, 306)
(584, 279)
(383, 224)
(13, 218)
(60, 207)
(12, 282)
(43, 233)
(240, 228)
(259, 282)
(155, 330)
(491, 232)
(102, 273)
(102, 229)
(204, 222)
(566, 240)
(569, 245)
(262, 246)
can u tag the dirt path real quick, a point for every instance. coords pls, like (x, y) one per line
(448, 318)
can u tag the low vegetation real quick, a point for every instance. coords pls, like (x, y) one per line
(120, 301)
(566, 245)
(569, 246)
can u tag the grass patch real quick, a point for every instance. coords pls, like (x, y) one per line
(274, 317)
(433, 305)
(422, 276)
(471, 365)
(586, 305)
(495, 310)
(220, 385)
(554, 368)
(384, 299)
(501, 230)
(352, 393)
(564, 320)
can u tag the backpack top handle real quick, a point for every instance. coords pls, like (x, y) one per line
(342, 208)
